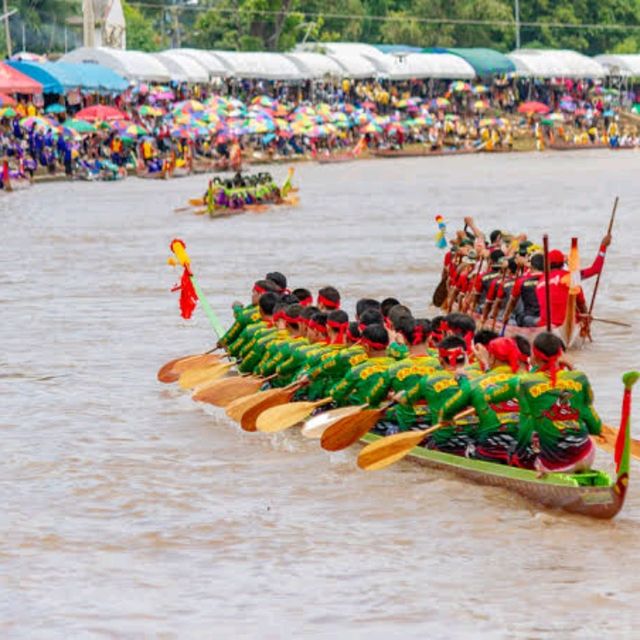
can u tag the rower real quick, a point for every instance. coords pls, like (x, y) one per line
(304, 296)
(523, 302)
(559, 284)
(279, 279)
(556, 411)
(494, 398)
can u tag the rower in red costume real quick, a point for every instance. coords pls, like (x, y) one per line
(559, 283)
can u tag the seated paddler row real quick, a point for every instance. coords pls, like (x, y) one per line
(524, 404)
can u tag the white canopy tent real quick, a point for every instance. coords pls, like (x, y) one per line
(626, 65)
(215, 66)
(136, 66)
(429, 65)
(183, 68)
(316, 65)
(358, 60)
(260, 66)
(561, 63)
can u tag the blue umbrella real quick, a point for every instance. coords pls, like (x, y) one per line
(55, 108)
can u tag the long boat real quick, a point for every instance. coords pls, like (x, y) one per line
(593, 493)
(419, 153)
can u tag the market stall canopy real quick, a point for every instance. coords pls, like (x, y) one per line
(430, 65)
(259, 66)
(561, 63)
(136, 66)
(485, 62)
(183, 68)
(214, 66)
(397, 48)
(359, 60)
(627, 64)
(315, 65)
(13, 81)
(60, 77)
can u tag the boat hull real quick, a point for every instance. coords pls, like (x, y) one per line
(555, 490)
(420, 153)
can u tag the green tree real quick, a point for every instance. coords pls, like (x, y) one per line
(141, 34)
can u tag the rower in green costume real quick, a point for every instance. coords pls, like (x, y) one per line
(437, 389)
(494, 395)
(556, 411)
(366, 384)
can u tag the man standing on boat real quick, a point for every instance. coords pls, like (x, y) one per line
(559, 284)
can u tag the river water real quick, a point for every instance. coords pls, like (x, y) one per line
(131, 512)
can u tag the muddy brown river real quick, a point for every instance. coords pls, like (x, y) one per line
(130, 512)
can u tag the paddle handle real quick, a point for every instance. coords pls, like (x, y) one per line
(595, 288)
(547, 290)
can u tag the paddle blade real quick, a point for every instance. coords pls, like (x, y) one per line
(345, 432)
(384, 452)
(236, 409)
(222, 392)
(284, 417)
(170, 372)
(196, 202)
(249, 418)
(440, 294)
(201, 375)
(316, 426)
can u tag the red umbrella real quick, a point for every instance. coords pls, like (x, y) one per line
(533, 107)
(12, 81)
(6, 101)
(101, 112)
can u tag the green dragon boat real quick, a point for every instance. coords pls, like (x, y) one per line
(593, 493)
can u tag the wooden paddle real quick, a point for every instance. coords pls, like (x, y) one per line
(316, 426)
(547, 290)
(284, 417)
(249, 418)
(222, 392)
(170, 372)
(237, 407)
(192, 378)
(344, 432)
(597, 284)
(607, 441)
(384, 452)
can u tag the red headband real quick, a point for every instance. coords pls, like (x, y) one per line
(305, 302)
(549, 363)
(418, 335)
(350, 335)
(451, 355)
(258, 289)
(505, 350)
(341, 328)
(316, 326)
(330, 304)
(375, 346)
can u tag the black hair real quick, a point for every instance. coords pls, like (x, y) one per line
(386, 304)
(320, 317)
(376, 333)
(548, 343)
(436, 321)
(523, 344)
(406, 326)
(398, 311)
(537, 261)
(278, 278)
(268, 302)
(513, 266)
(366, 303)
(494, 235)
(308, 312)
(289, 298)
(330, 293)
(301, 294)
(371, 316)
(484, 336)
(495, 256)
(461, 323)
(339, 316)
(354, 331)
